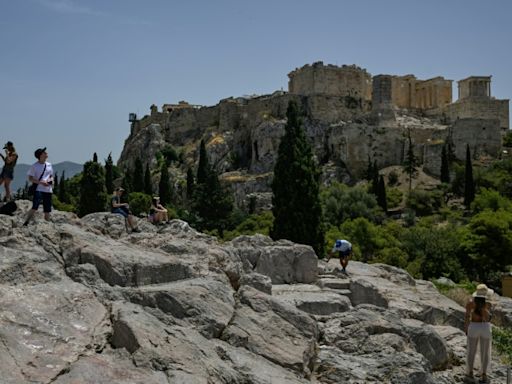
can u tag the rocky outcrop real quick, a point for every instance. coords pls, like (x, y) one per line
(81, 300)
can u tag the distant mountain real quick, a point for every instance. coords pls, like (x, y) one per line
(20, 173)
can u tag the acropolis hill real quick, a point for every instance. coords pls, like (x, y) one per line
(350, 117)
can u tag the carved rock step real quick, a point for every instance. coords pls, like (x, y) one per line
(334, 283)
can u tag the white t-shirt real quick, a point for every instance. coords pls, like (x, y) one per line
(341, 246)
(35, 171)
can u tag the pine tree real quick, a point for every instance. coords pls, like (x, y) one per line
(63, 193)
(445, 167)
(381, 194)
(469, 183)
(92, 189)
(164, 187)
(410, 162)
(109, 174)
(295, 187)
(190, 184)
(95, 157)
(148, 186)
(138, 176)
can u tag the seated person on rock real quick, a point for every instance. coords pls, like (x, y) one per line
(344, 249)
(157, 212)
(123, 209)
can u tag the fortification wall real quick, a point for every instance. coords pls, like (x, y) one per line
(331, 80)
(479, 108)
(482, 135)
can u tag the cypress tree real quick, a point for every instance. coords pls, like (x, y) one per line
(469, 183)
(138, 176)
(56, 185)
(190, 184)
(109, 174)
(410, 162)
(92, 189)
(445, 168)
(164, 187)
(127, 183)
(381, 194)
(95, 157)
(203, 167)
(148, 187)
(63, 193)
(295, 187)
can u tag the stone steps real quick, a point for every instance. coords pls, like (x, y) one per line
(333, 282)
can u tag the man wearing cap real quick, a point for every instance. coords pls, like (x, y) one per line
(41, 173)
(7, 174)
(123, 209)
(344, 249)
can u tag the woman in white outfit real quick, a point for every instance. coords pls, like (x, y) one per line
(477, 326)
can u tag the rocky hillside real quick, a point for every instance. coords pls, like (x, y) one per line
(82, 301)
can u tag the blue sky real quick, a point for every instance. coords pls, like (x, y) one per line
(72, 70)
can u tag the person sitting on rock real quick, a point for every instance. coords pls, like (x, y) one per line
(123, 209)
(344, 249)
(157, 212)
(477, 326)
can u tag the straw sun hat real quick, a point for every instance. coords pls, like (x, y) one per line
(483, 291)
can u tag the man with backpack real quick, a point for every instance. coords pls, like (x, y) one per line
(344, 249)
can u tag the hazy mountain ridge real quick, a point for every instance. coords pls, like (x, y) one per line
(20, 172)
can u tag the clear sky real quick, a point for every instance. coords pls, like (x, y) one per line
(72, 70)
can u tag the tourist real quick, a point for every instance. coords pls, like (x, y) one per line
(7, 174)
(40, 175)
(157, 212)
(123, 209)
(477, 326)
(344, 249)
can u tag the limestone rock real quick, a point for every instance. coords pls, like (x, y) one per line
(256, 280)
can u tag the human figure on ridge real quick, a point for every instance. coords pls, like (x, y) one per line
(7, 175)
(123, 209)
(41, 175)
(344, 249)
(157, 212)
(477, 326)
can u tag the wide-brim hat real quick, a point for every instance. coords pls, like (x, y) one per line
(483, 291)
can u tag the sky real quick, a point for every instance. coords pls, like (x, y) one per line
(72, 70)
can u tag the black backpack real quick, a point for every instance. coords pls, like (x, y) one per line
(8, 208)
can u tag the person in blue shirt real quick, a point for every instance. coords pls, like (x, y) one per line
(344, 249)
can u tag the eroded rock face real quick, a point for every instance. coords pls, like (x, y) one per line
(83, 301)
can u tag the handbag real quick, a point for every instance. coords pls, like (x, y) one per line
(32, 189)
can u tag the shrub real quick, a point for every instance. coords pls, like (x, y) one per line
(424, 202)
(251, 225)
(490, 199)
(139, 203)
(502, 340)
(394, 197)
(392, 256)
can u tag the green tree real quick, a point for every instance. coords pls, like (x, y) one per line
(410, 162)
(148, 186)
(490, 199)
(469, 184)
(164, 186)
(139, 203)
(92, 187)
(341, 202)
(95, 157)
(445, 166)
(56, 185)
(138, 176)
(109, 175)
(295, 187)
